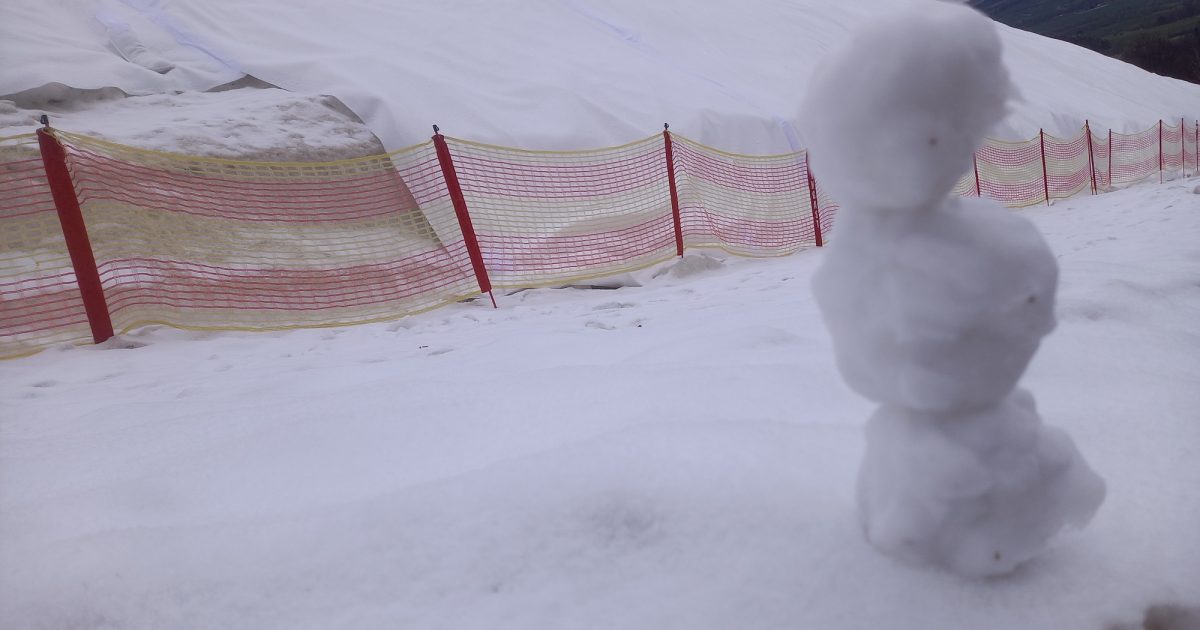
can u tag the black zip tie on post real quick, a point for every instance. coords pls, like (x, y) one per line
(45, 120)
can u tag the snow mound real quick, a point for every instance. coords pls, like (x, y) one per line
(692, 264)
(267, 124)
(728, 74)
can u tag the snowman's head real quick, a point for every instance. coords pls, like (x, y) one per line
(892, 119)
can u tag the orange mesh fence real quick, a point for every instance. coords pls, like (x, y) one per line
(1067, 169)
(207, 243)
(966, 186)
(1134, 156)
(40, 303)
(1190, 136)
(1172, 148)
(827, 208)
(1011, 172)
(746, 205)
(1101, 163)
(550, 217)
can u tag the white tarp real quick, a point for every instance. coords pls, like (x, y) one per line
(551, 74)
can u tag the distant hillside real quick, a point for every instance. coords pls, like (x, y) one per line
(1162, 36)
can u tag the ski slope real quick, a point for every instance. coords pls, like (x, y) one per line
(676, 454)
(541, 74)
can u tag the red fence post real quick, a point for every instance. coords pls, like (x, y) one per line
(1087, 130)
(813, 202)
(1182, 149)
(1045, 173)
(1160, 151)
(675, 215)
(1110, 136)
(460, 210)
(975, 163)
(79, 246)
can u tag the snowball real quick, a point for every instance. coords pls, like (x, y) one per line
(938, 309)
(904, 104)
(975, 492)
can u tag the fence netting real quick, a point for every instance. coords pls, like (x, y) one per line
(1011, 172)
(207, 243)
(220, 244)
(1067, 169)
(40, 303)
(1101, 162)
(746, 205)
(1190, 136)
(550, 217)
(1172, 148)
(1134, 156)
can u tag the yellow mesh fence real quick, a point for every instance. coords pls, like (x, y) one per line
(746, 205)
(207, 243)
(1172, 148)
(1134, 156)
(1067, 169)
(1011, 172)
(1191, 133)
(545, 217)
(40, 304)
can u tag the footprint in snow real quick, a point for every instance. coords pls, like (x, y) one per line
(600, 325)
(404, 324)
(608, 306)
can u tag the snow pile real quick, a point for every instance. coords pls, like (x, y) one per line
(540, 74)
(91, 44)
(691, 264)
(937, 304)
(254, 124)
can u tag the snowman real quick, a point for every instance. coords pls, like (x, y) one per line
(936, 304)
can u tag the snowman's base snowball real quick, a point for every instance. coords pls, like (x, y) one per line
(978, 492)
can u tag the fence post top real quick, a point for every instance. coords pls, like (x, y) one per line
(666, 126)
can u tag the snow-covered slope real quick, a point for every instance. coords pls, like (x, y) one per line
(543, 73)
(676, 455)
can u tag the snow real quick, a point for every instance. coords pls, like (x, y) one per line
(921, 88)
(676, 450)
(678, 454)
(939, 308)
(544, 74)
(249, 123)
(77, 43)
(936, 304)
(977, 492)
